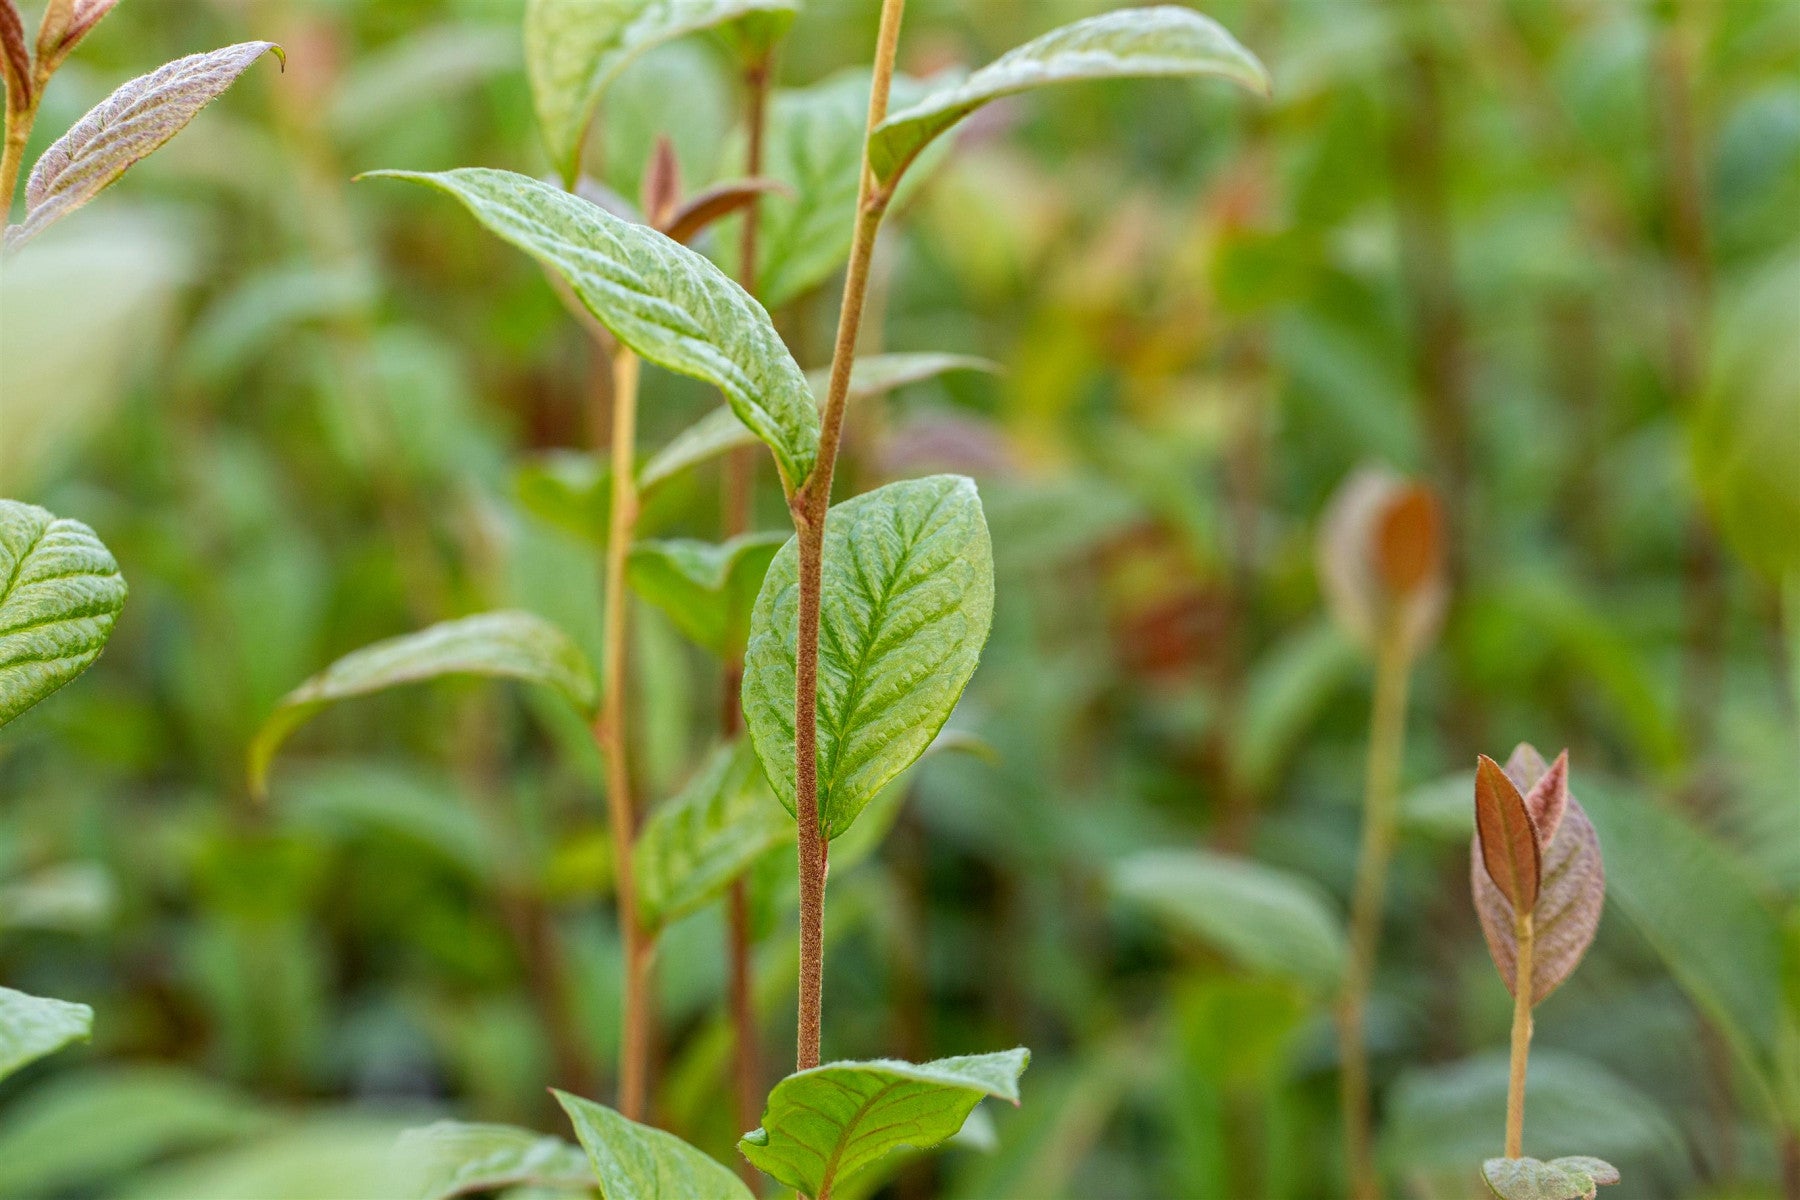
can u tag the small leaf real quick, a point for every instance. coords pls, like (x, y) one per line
(1266, 919)
(718, 826)
(32, 1026)
(451, 1158)
(574, 49)
(1529, 1179)
(1546, 789)
(666, 302)
(823, 1126)
(507, 645)
(1409, 541)
(906, 601)
(1380, 560)
(570, 490)
(65, 23)
(123, 128)
(60, 592)
(636, 1162)
(706, 589)
(15, 67)
(703, 209)
(661, 190)
(1130, 43)
(1505, 837)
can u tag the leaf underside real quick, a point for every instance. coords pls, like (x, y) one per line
(905, 605)
(825, 1125)
(60, 593)
(1574, 1178)
(636, 1162)
(452, 1158)
(34, 1026)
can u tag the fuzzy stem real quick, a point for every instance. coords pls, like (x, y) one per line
(1521, 1036)
(809, 504)
(1387, 736)
(609, 732)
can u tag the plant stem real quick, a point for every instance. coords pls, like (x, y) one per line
(1387, 737)
(809, 504)
(1790, 1165)
(1521, 1036)
(610, 733)
(21, 114)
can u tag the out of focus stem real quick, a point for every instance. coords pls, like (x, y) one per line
(1523, 976)
(1387, 739)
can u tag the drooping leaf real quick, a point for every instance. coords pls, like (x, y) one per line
(33, 1026)
(905, 605)
(451, 1158)
(828, 1123)
(1506, 842)
(60, 592)
(507, 645)
(636, 1162)
(1266, 919)
(1529, 1179)
(707, 589)
(672, 306)
(704, 209)
(1129, 43)
(123, 128)
(575, 48)
(715, 829)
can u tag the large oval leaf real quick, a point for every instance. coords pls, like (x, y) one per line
(508, 645)
(672, 306)
(636, 1162)
(1266, 919)
(60, 592)
(33, 1026)
(707, 589)
(122, 129)
(907, 598)
(575, 48)
(452, 1158)
(1130, 43)
(824, 1125)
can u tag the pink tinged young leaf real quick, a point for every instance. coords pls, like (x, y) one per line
(65, 23)
(123, 129)
(15, 59)
(1505, 837)
(1548, 798)
(715, 204)
(661, 193)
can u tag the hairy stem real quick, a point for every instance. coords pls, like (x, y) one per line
(1521, 1036)
(21, 114)
(1387, 736)
(609, 732)
(808, 505)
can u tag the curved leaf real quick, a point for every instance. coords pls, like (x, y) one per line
(636, 1162)
(824, 1125)
(1506, 840)
(666, 302)
(714, 830)
(60, 592)
(1266, 919)
(125, 127)
(906, 601)
(707, 589)
(451, 1158)
(33, 1026)
(1130, 43)
(575, 48)
(508, 645)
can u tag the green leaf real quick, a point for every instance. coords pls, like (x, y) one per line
(1598, 1169)
(828, 1123)
(636, 1162)
(1265, 919)
(574, 49)
(60, 592)
(451, 1158)
(1130, 43)
(32, 1026)
(125, 127)
(1529, 1179)
(708, 835)
(506, 645)
(672, 306)
(323, 1157)
(906, 601)
(706, 589)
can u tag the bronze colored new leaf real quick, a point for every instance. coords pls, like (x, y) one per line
(15, 60)
(661, 190)
(1409, 541)
(714, 204)
(1506, 837)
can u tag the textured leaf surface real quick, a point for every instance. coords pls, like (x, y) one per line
(1505, 839)
(714, 830)
(452, 1158)
(575, 48)
(125, 127)
(672, 306)
(1529, 1179)
(1129, 43)
(636, 1162)
(60, 592)
(706, 588)
(33, 1026)
(1266, 919)
(825, 1125)
(906, 601)
(508, 645)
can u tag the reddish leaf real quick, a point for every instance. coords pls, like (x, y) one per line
(661, 192)
(15, 61)
(1381, 560)
(715, 204)
(65, 23)
(1548, 798)
(1505, 836)
(1409, 540)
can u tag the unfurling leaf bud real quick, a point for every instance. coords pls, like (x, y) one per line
(1381, 560)
(661, 193)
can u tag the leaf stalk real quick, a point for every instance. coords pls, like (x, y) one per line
(1523, 977)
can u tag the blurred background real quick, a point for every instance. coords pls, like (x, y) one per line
(1542, 254)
